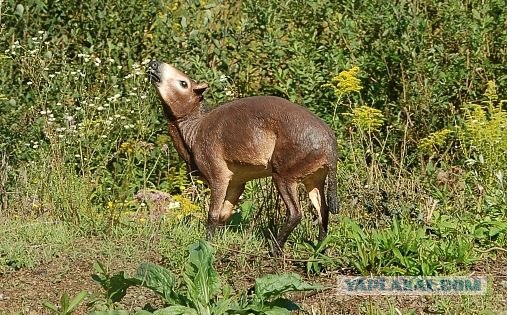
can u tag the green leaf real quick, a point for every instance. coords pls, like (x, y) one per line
(160, 280)
(111, 312)
(176, 310)
(200, 277)
(76, 301)
(275, 285)
(117, 285)
(494, 231)
(64, 302)
(50, 306)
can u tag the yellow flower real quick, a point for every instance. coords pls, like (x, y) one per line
(346, 82)
(434, 140)
(367, 118)
(187, 208)
(127, 147)
(491, 92)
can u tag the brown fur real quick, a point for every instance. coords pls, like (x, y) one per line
(246, 139)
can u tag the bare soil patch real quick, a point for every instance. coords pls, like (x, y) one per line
(25, 290)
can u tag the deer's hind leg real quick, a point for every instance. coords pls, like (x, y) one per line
(234, 191)
(315, 185)
(288, 191)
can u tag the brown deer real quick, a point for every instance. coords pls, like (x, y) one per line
(250, 138)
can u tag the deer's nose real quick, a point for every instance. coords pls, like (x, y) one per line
(153, 65)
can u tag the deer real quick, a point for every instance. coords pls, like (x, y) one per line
(246, 139)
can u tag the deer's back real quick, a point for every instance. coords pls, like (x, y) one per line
(249, 130)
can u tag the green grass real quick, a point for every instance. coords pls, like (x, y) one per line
(28, 243)
(421, 133)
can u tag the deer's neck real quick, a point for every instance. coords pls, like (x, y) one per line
(188, 127)
(183, 134)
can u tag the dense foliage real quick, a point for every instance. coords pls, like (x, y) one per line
(414, 89)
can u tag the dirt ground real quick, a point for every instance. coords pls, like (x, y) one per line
(24, 290)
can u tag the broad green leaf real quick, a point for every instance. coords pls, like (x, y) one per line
(111, 312)
(282, 304)
(117, 285)
(160, 280)
(176, 310)
(200, 277)
(276, 285)
(225, 305)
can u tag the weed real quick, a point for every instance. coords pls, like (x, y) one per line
(67, 306)
(200, 291)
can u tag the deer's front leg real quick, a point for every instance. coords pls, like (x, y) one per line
(218, 193)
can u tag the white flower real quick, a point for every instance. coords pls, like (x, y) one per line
(173, 205)
(29, 83)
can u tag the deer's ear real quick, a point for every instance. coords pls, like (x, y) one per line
(200, 88)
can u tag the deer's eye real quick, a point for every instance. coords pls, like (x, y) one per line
(184, 84)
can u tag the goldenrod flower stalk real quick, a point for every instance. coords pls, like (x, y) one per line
(491, 92)
(434, 141)
(367, 118)
(346, 82)
(343, 83)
